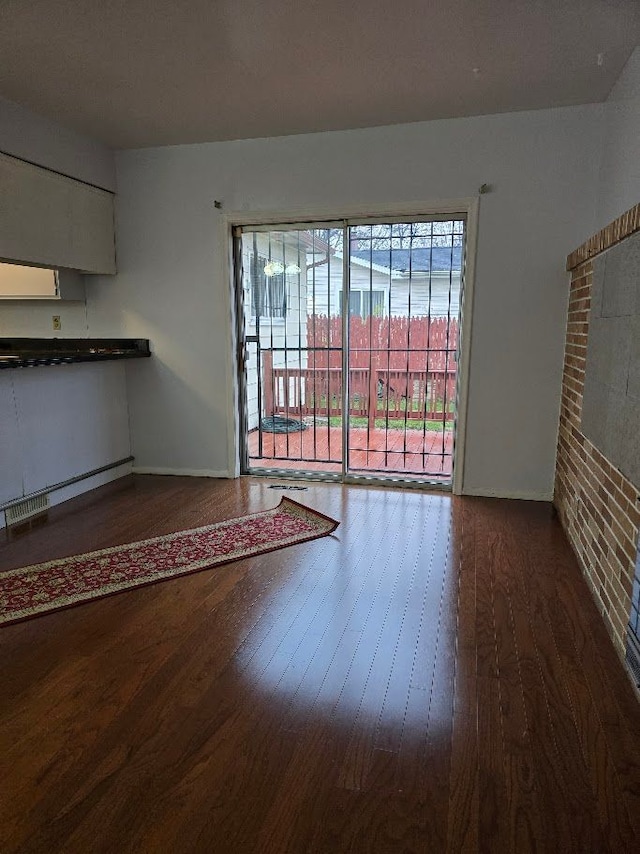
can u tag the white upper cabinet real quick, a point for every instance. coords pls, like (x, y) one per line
(48, 219)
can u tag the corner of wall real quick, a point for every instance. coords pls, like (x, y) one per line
(36, 139)
(619, 175)
(599, 508)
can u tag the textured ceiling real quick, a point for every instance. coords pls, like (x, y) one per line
(153, 72)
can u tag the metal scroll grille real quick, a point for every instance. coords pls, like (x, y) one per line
(403, 359)
(294, 376)
(394, 303)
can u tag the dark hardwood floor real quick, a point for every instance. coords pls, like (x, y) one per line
(432, 678)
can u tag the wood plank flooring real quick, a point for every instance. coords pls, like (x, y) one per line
(432, 678)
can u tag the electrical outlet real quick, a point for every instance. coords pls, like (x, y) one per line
(57, 323)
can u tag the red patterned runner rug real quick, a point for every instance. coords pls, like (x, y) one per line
(56, 584)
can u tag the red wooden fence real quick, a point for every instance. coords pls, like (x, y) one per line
(399, 367)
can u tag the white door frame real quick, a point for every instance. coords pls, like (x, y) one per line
(468, 206)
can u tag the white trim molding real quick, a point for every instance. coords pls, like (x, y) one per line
(66, 493)
(181, 472)
(464, 365)
(468, 206)
(336, 214)
(479, 492)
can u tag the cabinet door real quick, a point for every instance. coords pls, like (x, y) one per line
(34, 217)
(11, 462)
(92, 232)
(55, 221)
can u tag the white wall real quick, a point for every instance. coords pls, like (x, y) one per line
(172, 285)
(619, 185)
(57, 422)
(39, 140)
(54, 424)
(33, 318)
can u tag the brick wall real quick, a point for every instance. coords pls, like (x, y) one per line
(598, 507)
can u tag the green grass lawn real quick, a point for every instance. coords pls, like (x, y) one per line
(393, 424)
(381, 422)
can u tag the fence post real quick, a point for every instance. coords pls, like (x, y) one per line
(373, 390)
(267, 381)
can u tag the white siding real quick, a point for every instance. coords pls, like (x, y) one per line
(439, 297)
(276, 333)
(427, 297)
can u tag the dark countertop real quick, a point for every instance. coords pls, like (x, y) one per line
(34, 352)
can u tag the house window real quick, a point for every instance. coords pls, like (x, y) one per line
(365, 303)
(268, 293)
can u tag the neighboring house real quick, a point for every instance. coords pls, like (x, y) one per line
(274, 283)
(423, 282)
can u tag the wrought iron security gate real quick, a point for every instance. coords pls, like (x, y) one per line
(349, 347)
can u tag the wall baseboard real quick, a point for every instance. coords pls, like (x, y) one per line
(180, 472)
(59, 496)
(478, 492)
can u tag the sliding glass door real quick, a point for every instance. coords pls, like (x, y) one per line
(290, 279)
(404, 292)
(349, 335)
